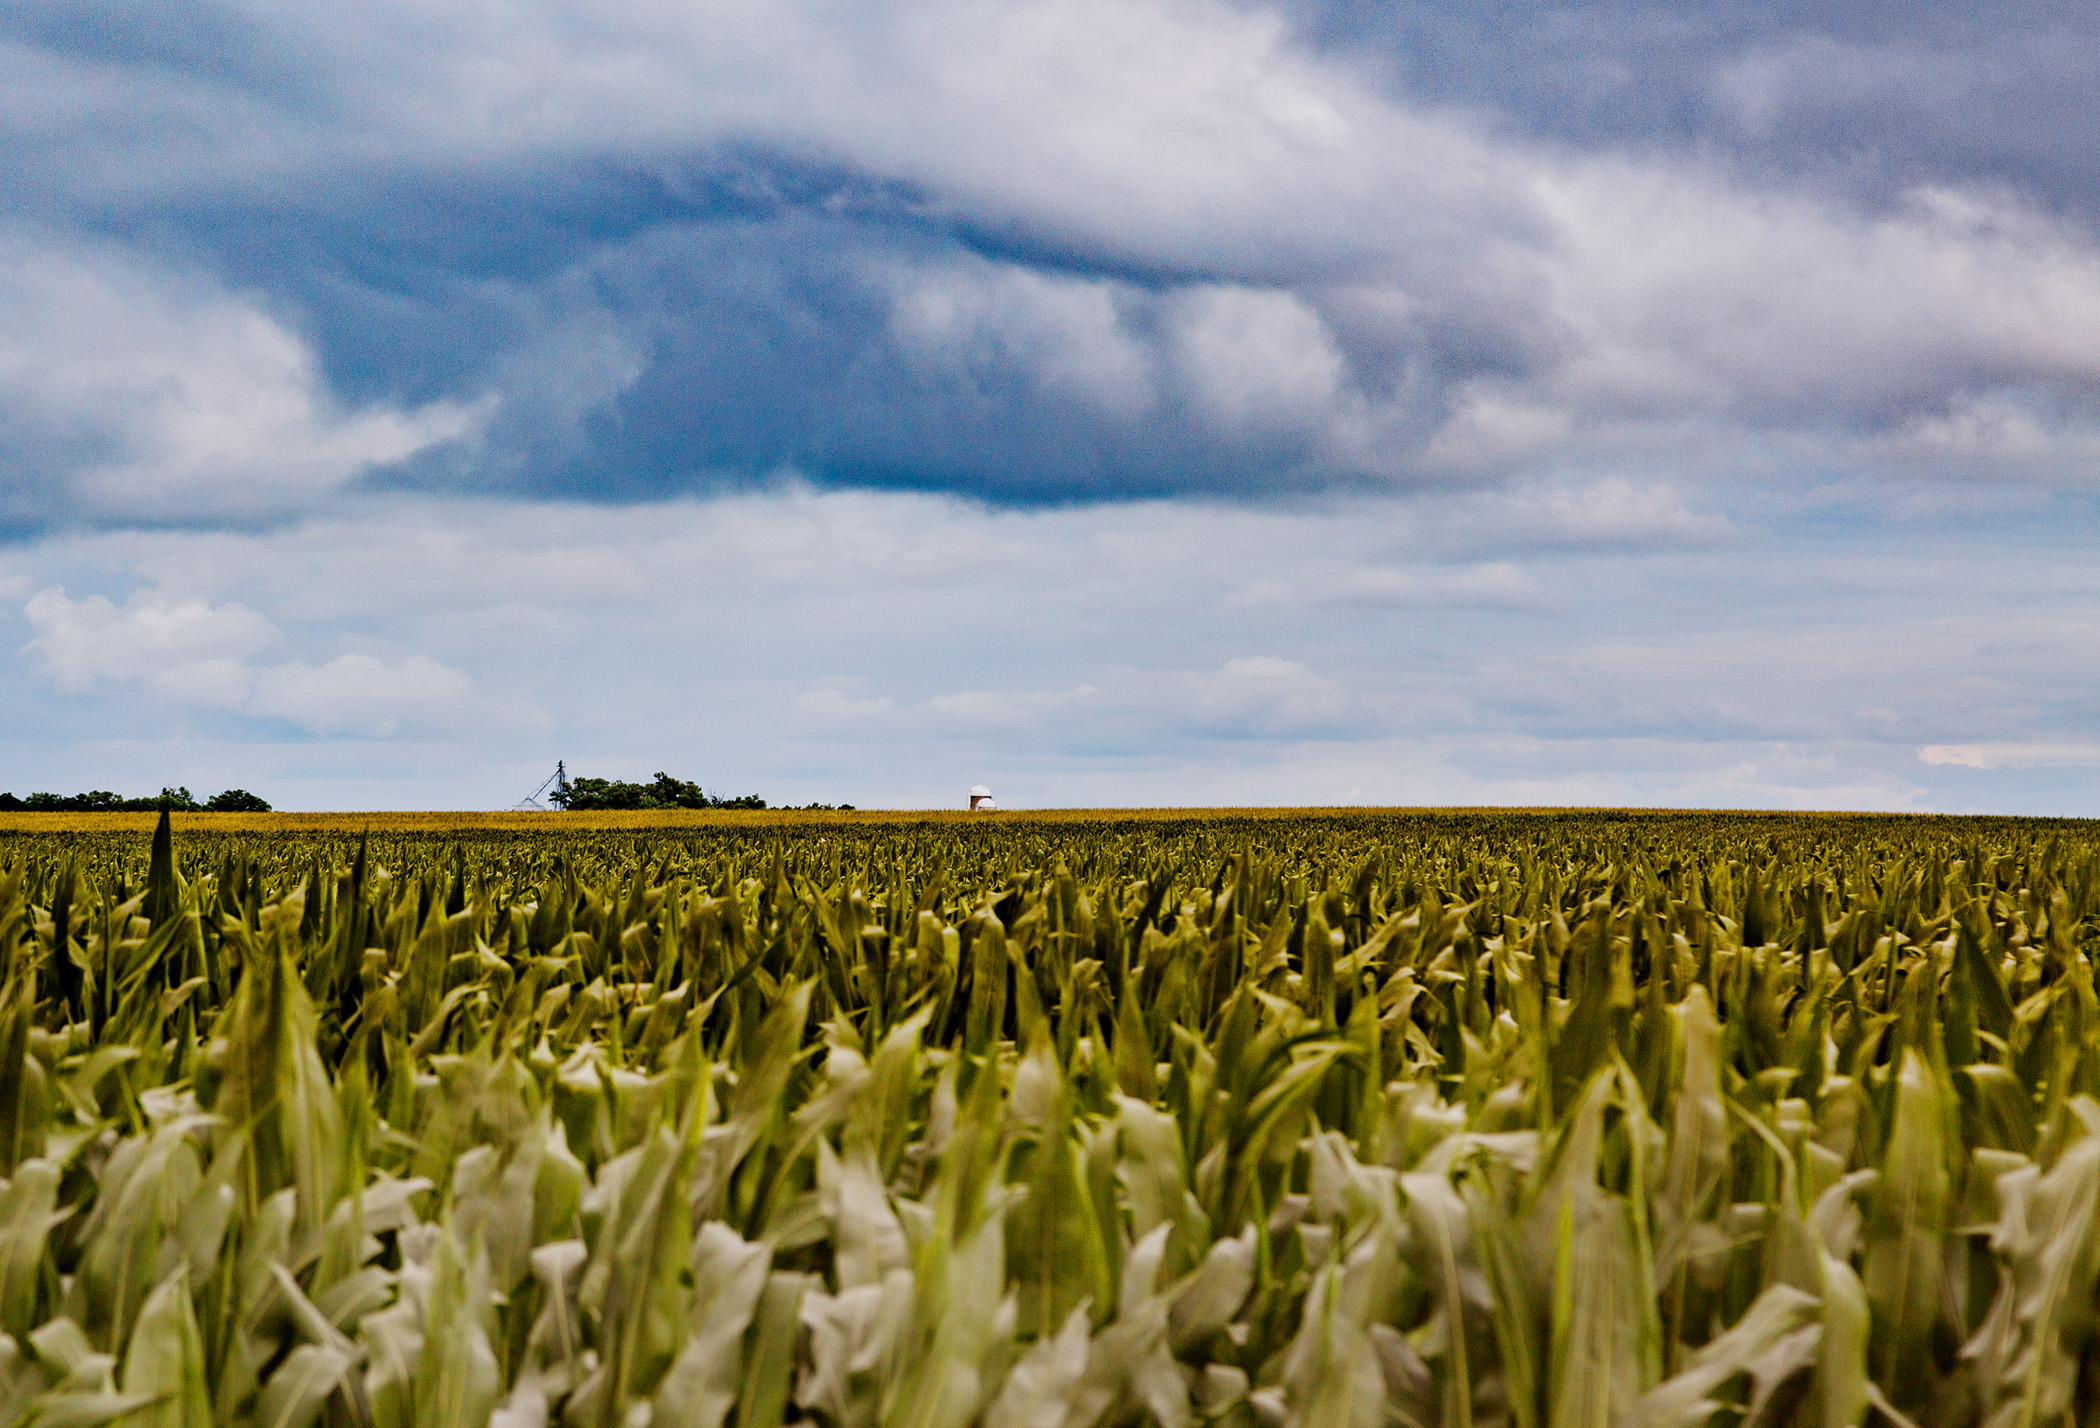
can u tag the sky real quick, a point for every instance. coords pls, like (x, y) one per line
(1114, 402)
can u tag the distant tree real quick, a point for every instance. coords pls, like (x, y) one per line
(667, 792)
(589, 795)
(235, 800)
(586, 795)
(99, 800)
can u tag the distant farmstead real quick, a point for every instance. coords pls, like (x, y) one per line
(981, 800)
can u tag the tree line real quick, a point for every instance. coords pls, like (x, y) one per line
(101, 800)
(581, 795)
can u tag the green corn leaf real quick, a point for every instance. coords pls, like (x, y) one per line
(1040, 1389)
(1904, 1268)
(1776, 1321)
(456, 1382)
(294, 1395)
(769, 1357)
(703, 1382)
(165, 1359)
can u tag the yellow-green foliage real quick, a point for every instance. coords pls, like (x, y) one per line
(1564, 1120)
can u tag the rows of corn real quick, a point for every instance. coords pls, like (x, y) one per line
(1490, 1124)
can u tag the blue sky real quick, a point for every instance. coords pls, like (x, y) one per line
(1114, 403)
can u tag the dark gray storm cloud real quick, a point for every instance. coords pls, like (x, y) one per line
(1039, 253)
(1873, 95)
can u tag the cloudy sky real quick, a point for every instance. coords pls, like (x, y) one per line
(1113, 401)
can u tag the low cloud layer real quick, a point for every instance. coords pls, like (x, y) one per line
(201, 655)
(892, 649)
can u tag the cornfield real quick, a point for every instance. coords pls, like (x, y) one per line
(1480, 1120)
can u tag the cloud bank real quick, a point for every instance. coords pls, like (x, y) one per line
(892, 649)
(1057, 250)
(199, 654)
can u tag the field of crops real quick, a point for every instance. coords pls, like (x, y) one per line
(1487, 1120)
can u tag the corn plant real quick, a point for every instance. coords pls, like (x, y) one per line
(1550, 1121)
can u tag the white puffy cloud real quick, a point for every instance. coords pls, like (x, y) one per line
(171, 401)
(1613, 511)
(2011, 756)
(1677, 290)
(1491, 584)
(189, 649)
(1259, 696)
(999, 321)
(1245, 697)
(200, 654)
(1258, 362)
(360, 692)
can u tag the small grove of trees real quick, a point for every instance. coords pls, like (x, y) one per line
(101, 800)
(581, 795)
